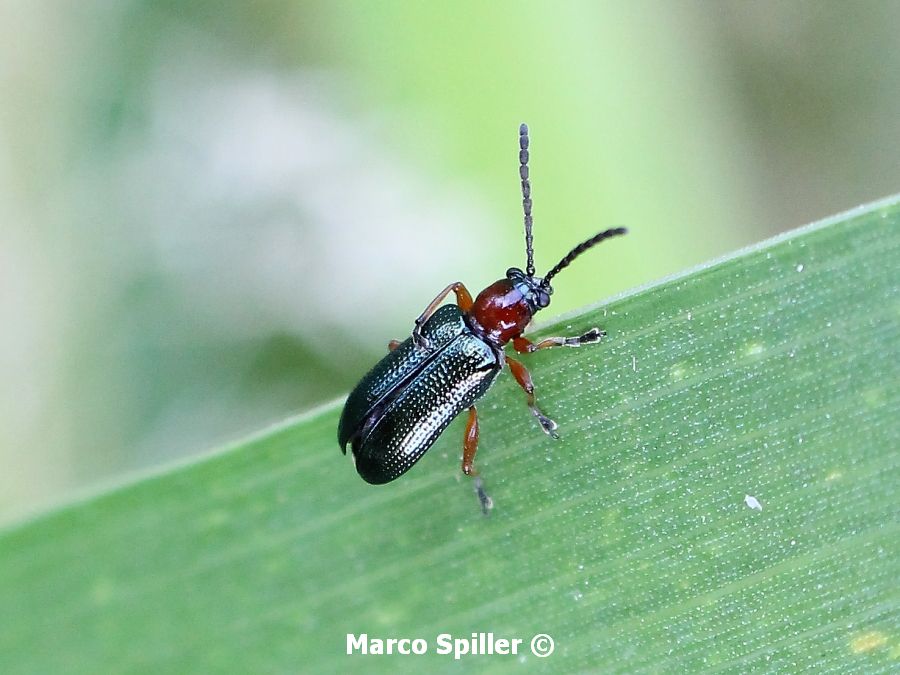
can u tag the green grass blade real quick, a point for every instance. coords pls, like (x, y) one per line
(773, 374)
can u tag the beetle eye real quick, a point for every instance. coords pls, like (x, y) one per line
(514, 273)
(543, 298)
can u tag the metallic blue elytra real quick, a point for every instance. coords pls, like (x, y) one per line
(398, 410)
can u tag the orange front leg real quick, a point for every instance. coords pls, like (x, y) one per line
(463, 299)
(525, 346)
(523, 377)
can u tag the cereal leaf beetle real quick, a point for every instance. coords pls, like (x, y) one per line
(398, 410)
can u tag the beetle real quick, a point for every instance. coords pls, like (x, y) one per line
(400, 408)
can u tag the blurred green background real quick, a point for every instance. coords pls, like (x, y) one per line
(214, 215)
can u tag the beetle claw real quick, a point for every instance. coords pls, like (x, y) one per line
(548, 425)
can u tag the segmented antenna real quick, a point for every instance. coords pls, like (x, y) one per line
(578, 250)
(526, 197)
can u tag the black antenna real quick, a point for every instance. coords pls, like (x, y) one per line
(526, 196)
(578, 250)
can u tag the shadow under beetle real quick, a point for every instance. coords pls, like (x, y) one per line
(398, 410)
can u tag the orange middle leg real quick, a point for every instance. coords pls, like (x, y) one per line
(523, 377)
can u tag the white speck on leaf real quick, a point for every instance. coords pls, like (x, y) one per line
(752, 502)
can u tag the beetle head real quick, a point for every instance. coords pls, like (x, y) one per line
(533, 289)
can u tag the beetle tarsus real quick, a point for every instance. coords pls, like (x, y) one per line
(483, 498)
(548, 425)
(420, 340)
(593, 336)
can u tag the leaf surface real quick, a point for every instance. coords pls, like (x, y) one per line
(723, 497)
